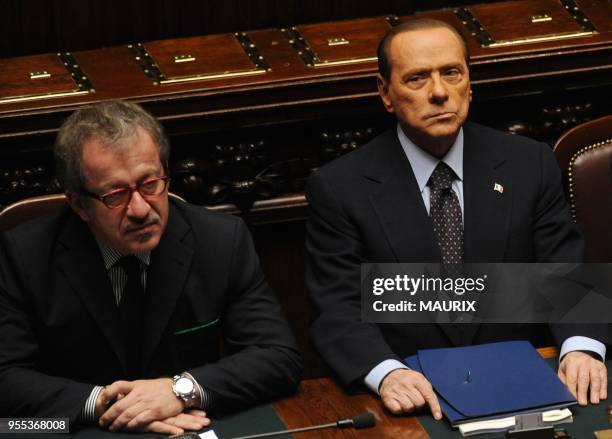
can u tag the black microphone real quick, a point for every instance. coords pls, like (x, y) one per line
(364, 420)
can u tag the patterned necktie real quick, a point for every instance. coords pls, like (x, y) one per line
(445, 213)
(131, 311)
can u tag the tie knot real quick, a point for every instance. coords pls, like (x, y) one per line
(442, 177)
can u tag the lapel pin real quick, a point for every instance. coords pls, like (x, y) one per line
(498, 188)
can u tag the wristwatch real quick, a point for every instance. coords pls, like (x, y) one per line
(184, 387)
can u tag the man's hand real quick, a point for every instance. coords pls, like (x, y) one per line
(101, 404)
(145, 401)
(193, 420)
(579, 371)
(404, 391)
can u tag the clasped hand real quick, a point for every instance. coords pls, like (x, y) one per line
(146, 405)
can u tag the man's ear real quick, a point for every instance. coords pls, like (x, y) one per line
(383, 91)
(76, 203)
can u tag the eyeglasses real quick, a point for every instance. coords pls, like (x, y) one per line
(121, 197)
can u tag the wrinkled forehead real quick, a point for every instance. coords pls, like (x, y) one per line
(104, 160)
(422, 46)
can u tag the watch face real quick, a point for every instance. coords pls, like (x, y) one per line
(184, 386)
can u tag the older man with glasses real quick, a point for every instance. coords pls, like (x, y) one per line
(114, 311)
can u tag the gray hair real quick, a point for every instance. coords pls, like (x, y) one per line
(110, 122)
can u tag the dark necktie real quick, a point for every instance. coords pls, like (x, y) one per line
(131, 311)
(445, 213)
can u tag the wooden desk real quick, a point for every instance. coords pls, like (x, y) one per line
(320, 401)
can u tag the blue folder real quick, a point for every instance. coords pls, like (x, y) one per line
(505, 379)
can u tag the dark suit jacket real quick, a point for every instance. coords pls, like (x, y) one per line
(60, 330)
(366, 207)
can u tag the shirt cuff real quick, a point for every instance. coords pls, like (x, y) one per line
(205, 395)
(88, 414)
(581, 343)
(374, 378)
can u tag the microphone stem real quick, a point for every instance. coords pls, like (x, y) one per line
(295, 430)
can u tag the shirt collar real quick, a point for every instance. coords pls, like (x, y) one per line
(111, 256)
(423, 163)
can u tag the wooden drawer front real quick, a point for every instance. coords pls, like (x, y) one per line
(199, 58)
(41, 77)
(344, 42)
(526, 21)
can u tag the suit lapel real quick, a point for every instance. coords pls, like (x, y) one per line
(396, 199)
(170, 264)
(81, 263)
(487, 192)
(487, 211)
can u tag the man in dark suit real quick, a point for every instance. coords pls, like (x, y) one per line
(162, 302)
(435, 189)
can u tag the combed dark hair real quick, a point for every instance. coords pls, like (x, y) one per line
(111, 122)
(384, 67)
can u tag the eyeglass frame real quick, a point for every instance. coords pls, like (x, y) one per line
(131, 189)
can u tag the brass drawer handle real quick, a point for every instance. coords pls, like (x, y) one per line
(40, 74)
(540, 18)
(337, 41)
(184, 58)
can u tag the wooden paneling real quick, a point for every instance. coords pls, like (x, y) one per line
(513, 20)
(18, 77)
(199, 56)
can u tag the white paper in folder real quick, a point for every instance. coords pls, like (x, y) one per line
(495, 425)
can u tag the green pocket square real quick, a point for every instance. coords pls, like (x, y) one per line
(196, 328)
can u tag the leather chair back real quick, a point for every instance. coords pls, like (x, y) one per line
(585, 156)
(30, 208)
